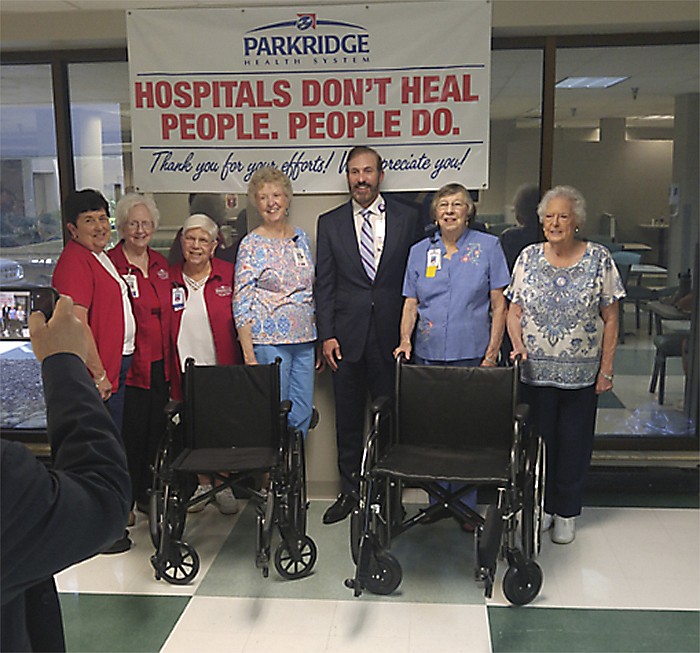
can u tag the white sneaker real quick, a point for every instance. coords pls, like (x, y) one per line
(547, 521)
(564, 530)
(201, 489)
(226, 502)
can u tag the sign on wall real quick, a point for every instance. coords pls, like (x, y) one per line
(217, 93)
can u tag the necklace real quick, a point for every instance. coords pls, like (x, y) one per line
(195, 285)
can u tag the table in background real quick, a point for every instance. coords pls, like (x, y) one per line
(659, 231)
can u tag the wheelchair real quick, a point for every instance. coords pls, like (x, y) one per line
(233, 427)
(459, 425)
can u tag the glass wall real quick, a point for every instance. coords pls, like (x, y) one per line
(625, 148)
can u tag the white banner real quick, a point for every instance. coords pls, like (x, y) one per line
(217, 93)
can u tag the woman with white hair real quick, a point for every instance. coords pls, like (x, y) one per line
(145, 272)
(202, 323)
(563, 322)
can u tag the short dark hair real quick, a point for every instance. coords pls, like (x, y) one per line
(80, 201)
(364, 149)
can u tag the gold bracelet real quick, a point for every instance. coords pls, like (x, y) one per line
(102, 378)
(607, 377)
(491, 361)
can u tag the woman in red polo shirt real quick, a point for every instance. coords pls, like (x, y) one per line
(100, 301)
(145, 272)
(202, 323)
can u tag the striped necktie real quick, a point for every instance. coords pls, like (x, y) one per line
(367, 245)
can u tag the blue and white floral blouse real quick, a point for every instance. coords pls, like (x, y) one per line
(562, 328)
(274, 289)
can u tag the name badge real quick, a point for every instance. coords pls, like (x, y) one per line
(300, 258)
(133, 284)
(178, 299)
(433, 263)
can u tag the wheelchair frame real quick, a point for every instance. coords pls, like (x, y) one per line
(510, 528)
(283, 506)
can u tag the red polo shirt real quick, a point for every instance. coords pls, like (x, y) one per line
(80, 275)
(218, 297)
(152, 311)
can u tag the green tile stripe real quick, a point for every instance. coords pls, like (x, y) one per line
(542, 630)
(112, 623)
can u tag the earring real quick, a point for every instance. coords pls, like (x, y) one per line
(576, 230)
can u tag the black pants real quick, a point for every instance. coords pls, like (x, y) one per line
(144, 426)
(373, 373)
(566, 421)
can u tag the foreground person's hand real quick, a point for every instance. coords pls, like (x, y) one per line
(63, 333)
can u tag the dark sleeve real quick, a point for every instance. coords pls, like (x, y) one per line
(325, 286)
(51, 519)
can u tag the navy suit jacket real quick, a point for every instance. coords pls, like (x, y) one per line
(345, 296)
(51, 519)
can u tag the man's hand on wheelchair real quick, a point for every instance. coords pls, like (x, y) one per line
(403, 349)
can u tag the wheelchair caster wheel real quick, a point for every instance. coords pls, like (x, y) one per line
(522, 584)
(285, 562)
(385, 574)
(182, 564)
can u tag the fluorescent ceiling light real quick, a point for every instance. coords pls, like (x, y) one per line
(590, 82)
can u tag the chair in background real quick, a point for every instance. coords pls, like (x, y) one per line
(624, 262)
(667, 345)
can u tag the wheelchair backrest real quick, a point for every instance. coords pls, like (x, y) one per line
(456, 407)
(232, 405)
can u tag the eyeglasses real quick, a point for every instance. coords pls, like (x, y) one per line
(146, 225)
(455, 206)
(191, 240)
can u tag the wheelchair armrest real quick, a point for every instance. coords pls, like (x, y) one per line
(522, 412)
(172, 408)
(285, 407)
(381, 405)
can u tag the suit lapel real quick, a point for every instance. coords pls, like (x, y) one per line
(393, 226)
(348, 237)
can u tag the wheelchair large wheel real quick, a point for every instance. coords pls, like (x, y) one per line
(297, 501)
(385, 573)
(356, 518)
(521, 584)
(288, 567)
(533, 498)
(489, 539)
(181, 565)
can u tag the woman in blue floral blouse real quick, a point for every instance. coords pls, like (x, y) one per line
(563, 321)
(273, 302)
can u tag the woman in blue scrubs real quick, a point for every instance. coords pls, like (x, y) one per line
(453, 290)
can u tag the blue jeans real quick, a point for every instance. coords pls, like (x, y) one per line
(468, 499)
(296, 378)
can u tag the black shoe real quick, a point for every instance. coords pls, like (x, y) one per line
(143, 506)
(340, 509)
(121, 545)
(442, 513)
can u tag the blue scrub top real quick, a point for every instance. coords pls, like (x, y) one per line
(453, 306)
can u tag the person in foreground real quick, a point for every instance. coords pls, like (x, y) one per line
(362, 247)
(53, 518)
(453, 289)
(273, 302)
(563, 321)
(202, 321)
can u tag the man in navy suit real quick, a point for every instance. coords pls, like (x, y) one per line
(362, 248)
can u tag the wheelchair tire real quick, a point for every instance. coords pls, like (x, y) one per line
(489, 539)
(533, 495)
(181, 565)
(355, 533)
(385, 574)
(155, 516)
(291, 569)
(521, 584)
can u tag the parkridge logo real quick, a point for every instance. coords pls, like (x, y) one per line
(306, 39)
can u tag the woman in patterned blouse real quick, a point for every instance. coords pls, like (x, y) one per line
(273, 302)
(563, 321)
